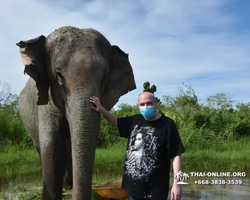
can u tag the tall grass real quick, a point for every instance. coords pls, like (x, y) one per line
(109, 162)
(221, 155)
(12, 130)
(17, 165)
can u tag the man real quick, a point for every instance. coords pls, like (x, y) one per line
(161, 142)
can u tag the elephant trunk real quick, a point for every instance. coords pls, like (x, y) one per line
(84, 129)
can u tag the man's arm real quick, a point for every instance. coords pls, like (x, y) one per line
(176, 167)
(176, 189)
(99, 108)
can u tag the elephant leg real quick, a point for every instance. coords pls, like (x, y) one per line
(53, 151)
(68, 176)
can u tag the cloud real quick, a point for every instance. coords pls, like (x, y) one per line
(201, 43)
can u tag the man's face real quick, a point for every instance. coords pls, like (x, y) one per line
(146, 99)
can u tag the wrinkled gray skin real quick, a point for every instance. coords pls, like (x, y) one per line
(66, 69)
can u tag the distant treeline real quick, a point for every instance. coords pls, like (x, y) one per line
(218, 118)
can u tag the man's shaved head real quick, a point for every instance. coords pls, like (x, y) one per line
(147, 95)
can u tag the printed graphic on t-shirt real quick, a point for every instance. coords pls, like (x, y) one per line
(141, 153)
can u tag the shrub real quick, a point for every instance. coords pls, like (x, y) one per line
(109, 134)
(217, 118)
(12, 130)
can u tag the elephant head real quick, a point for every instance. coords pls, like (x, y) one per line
(68, 67)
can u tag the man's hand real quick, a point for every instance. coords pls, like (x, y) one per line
(98, 106)
(176, 192)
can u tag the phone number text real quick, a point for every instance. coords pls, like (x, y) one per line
(218, 182)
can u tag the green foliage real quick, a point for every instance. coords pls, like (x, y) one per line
(219, 117)
(147, 87)
(151, 89)
(27, 161)
(12, 130)
(109, 134)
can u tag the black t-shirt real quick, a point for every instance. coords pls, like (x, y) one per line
(151, 145)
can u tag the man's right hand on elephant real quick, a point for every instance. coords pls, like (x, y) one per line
(99, 108)
(97, 104)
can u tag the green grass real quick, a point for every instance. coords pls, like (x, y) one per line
(17, 165)
(24, 166)
(219, 155)
(109, 163)
(231, 155)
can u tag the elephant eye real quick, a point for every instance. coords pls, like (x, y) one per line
(59, 77)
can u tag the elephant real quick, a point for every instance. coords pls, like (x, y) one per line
(66, 68)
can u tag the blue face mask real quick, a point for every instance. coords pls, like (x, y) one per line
(147, 111)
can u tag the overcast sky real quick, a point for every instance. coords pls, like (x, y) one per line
(205, 44)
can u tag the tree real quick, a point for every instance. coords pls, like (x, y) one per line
(220, 100)
(186, 97)
(147, 87)
(4, 93)
(151, 89)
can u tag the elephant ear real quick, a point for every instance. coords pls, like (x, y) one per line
(120, 78)
(32, 52)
